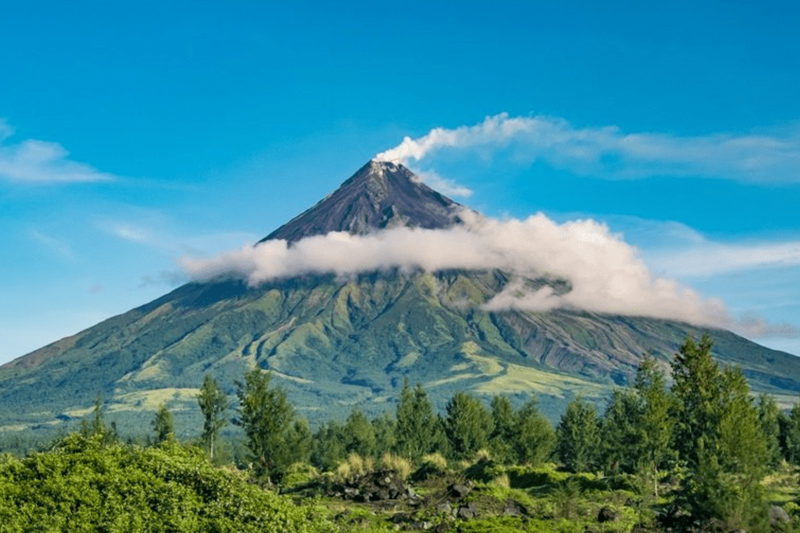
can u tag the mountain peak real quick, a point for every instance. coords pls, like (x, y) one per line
(379, 195)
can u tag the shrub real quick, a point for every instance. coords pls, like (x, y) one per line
(352, 467)
(433, 465)
(83, 485)
(398, 465)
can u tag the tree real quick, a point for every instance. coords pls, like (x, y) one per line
(622, 432)
(97, 424)
(697, 390)
(265, 415)
(506, 427)
(299, 443)
(721, 438)
(329, 446)
(163, 425)
(213, 404)
(384, 427)
(467, 425)
(360, 434)
(578, 436)
(792, 435)
(535, 438)
(769, 416)
(656, 421)
(418, 429)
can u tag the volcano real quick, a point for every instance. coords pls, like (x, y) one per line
(336, 343)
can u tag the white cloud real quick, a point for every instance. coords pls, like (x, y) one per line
(443, 185)
(35, 161)
(606, 274)
(712, 258)
(55, 245)
(608, 152)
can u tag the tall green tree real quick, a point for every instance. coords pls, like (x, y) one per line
(721, 438)
(505, 433)
(622, 432)
(360, 434)
(791, 435)
(467, 425)
(656, 420)
(329, 446)
(299, 443)
(213, 404)
(535, 438)
(418, 429)
(163, 425)
(266, 416)
(769, 415)
(697, 387)
(384, 427)
(578, 436)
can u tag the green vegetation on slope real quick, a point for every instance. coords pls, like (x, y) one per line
(340, 343)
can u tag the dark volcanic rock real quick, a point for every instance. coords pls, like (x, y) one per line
(380, 195)
(459, 491)
(375, 487)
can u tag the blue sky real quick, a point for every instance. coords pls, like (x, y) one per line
(136, 134)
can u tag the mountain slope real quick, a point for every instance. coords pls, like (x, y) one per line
(335, 343)
(378, 196)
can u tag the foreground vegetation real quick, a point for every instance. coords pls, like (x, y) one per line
(701, 455)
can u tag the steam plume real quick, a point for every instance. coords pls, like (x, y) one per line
(608, 152)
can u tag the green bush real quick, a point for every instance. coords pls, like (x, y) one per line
(82, 485)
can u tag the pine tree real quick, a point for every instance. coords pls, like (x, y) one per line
(384, 427)
(299, 444)
(266, 415)
(622, 432)
(697, 389)
(163, 425)
(792, 435)
(329, 446)
(213, 404)
(360, 434)
(97, 425)
(578, 436)
(720, 437)
(656, 419)
(535, 438)
(418, 429)
(506, 426)
(769, 416)
(468, 425)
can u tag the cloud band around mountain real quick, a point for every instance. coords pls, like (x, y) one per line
(606, 274)
(608, 152)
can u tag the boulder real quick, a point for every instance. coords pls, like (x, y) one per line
(465, 513)
(459, 491)
(778, 516)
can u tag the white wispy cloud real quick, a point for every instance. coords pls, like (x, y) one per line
(56, 245)
(36, 162)
(712, 258)
(444, 185)
(609, 152)
(606, 274)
